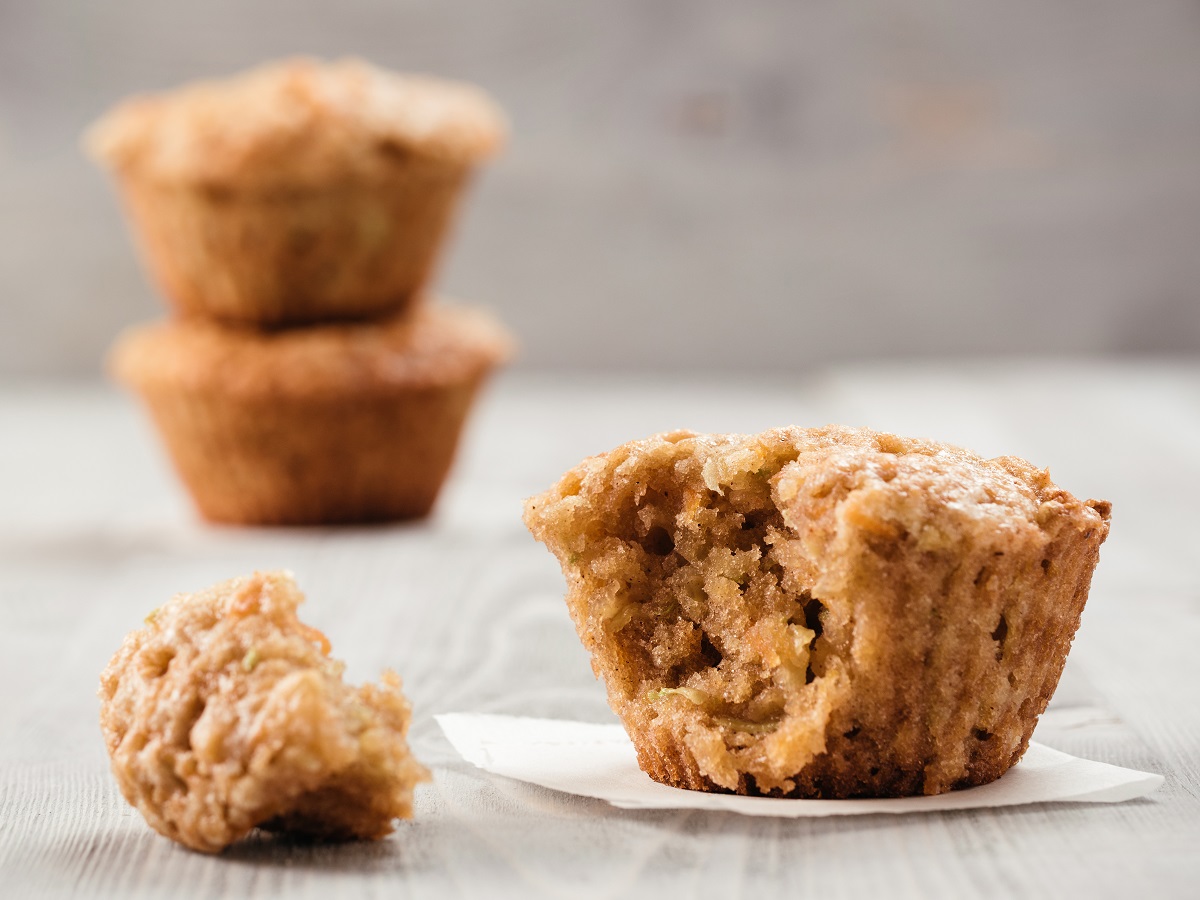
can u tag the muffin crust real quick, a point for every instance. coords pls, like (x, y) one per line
(300, 192)
(296, 122)
(315, 426)
(435, 345)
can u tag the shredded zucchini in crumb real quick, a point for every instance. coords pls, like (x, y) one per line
(620, 617)
(706, 702)
(250, 660)
(745, 725)
(700, 698)
(152, 615)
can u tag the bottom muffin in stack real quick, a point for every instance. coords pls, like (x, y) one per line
(321, 425)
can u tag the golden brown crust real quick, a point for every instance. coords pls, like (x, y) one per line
(299, 192)
(343, 251)
(433, 347)
(323, 425)
(295, 122)
(320, 461)
(225, 713)
(821, 612)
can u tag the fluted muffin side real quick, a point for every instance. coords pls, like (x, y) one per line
(821, 612)
(324, 425)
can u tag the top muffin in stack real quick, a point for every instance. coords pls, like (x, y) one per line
(298, 192)
(303, 194)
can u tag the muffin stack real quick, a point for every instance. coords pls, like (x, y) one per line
(292, 216)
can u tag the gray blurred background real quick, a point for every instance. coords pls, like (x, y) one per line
(749, 185)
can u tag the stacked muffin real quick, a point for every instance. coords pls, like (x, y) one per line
(292, 216)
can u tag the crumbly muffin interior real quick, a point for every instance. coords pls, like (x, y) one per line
(716, 638)
(226, 713)
(722, 635)
(821, 612)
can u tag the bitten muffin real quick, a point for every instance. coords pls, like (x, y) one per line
(226, 713)
(821, 612)
(299, 191)
(321, 425)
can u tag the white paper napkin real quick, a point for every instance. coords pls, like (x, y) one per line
(599, 761)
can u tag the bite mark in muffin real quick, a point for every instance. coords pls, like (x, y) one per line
(825, 612)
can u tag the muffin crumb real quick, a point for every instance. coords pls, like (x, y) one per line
(226, 713)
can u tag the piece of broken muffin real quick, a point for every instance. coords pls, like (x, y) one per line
(827, 612)
(226, 713)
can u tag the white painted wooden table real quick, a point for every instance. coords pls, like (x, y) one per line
(94, 532)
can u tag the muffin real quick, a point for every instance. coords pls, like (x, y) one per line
(827, 612)
(297, 192)
(322, 425)
(226, 713)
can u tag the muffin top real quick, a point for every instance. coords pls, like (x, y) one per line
(432, 347)
(297, 122)
(825, 484)
(826, 464)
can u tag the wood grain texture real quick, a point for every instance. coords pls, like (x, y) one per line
(94, 533)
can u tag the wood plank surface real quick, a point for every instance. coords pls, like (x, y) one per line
(467, 607)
